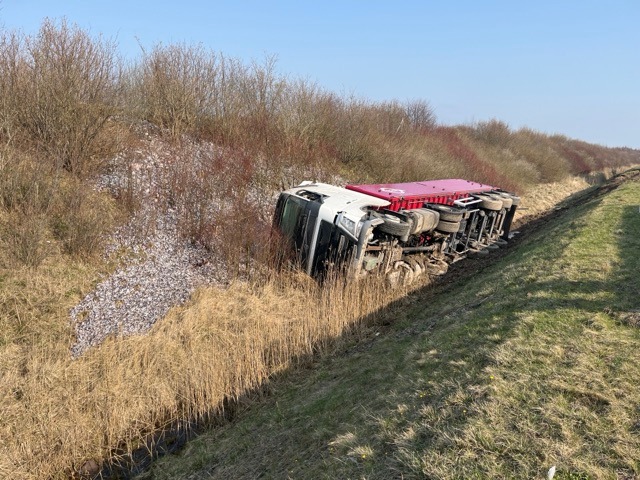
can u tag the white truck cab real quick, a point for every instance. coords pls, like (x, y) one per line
(326, 224)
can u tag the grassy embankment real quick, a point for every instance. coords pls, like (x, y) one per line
(532, 363)
(71, 113)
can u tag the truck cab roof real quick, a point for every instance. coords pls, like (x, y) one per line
(338, 199)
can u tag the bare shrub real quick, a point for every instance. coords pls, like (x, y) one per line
(286, 124)
(61, 84)
(353, 141)
(175, 86)
(304, 112)
(387, 118)
(479, 166)
(25, 186)
(11, 67)
(420, 115)
(241, 236)
(578, 162)
(537, 151)
(190, 90)
(214, 197)
(224, 113)
(82, 218)
(494, 132)
(523, 157)
(26, 196)
(370, 138)
(261, 93)
(24, 234)
(40, 201)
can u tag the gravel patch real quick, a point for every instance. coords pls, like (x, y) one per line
(131, 300)
(163, 269)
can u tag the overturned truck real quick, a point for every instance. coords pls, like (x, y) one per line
(399, 230)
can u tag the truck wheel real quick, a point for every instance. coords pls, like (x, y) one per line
(417, 221)
(515, 199)
(448, 227)
(416, 266)
(437, 267)
(394, 226)
(447, 213)
(407, 274)
(431, 219)
(507, 201)
(401, 275)
(489, 203)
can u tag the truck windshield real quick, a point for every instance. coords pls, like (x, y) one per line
(292, 219)
(296, 219)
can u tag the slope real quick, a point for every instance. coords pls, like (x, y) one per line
(530, 363)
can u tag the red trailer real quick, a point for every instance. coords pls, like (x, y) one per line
(405, 196)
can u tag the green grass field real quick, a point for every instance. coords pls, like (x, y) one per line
(533, 362)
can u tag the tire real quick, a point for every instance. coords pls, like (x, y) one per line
(417, 221)
(447, 213)
(489, 203)
(448, 227)
(401, 275)
(437, 267)
(415, 266)
(431, 219)
(507, 201)
(407, 274)
(516, 200)
(394, 226)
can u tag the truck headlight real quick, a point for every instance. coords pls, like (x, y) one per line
(350, 226)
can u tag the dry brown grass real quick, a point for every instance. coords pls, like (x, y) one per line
(41, 204)
(222, 345)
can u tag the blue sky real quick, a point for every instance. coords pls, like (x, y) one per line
(570, 67)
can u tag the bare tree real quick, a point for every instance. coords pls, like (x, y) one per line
(61, 86)
(420, 115)
(176, 86)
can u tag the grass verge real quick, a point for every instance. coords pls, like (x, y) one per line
(530, 364)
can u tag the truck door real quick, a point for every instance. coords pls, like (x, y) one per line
(333, 250)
